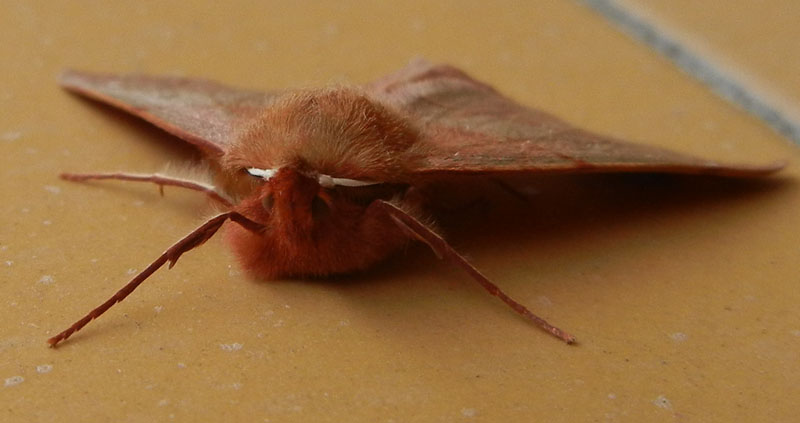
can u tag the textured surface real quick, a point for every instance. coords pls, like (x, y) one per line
(745, 51)
(682, 291)
(756, 38)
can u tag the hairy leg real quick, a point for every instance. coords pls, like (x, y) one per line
(449, 254)
(194, 239)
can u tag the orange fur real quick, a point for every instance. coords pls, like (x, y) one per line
(335, 131)
(338, 132)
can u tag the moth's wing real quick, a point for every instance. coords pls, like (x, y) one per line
(468, 127)
(203, 113)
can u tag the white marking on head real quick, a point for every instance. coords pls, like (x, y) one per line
(326, 181)
(329, 182)
(264, 174)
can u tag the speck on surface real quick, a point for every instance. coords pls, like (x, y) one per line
(14, 380)
(468, 412)
(231, 347)
(662, 402)
(11, 135)
(678, 336)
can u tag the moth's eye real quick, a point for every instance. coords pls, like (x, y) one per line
(264, 174)
(267, 202)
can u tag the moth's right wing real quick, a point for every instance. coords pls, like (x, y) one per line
(203, 113)
(470, 128)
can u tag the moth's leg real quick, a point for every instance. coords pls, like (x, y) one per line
(194, 239)
(445, 251)
(154, 178)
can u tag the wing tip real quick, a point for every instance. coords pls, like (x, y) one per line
(754, 170)
(777, 165)
(66, 77)
(731, 170)
(72, 79)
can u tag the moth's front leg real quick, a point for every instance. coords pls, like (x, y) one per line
(442, 248)
(171, 255)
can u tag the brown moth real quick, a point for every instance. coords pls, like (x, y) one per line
(332, 180)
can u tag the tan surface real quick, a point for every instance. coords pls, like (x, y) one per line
(754, 41)
(683, 292)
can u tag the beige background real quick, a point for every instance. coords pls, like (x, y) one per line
(752, 40)
(682, 292)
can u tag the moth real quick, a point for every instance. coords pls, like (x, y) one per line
(317, 182)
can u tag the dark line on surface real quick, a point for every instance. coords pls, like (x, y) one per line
(722, 84)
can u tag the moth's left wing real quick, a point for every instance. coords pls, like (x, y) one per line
(203, 113)
(470, 128)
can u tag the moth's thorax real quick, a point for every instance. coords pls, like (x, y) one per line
(337, 131)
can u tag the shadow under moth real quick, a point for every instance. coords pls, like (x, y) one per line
(316, 182)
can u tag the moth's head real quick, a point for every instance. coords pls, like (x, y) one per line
(337, 134)
(295, 201)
